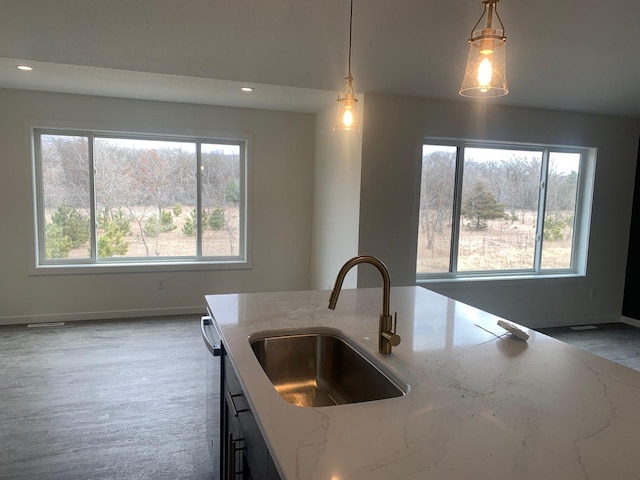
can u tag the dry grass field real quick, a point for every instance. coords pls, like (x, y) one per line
(502, 245)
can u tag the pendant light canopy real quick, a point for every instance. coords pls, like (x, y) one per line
(347, 117)
(485, 75)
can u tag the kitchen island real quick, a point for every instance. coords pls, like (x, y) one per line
(481, 403)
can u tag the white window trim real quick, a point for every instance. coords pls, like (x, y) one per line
(584, 204)
(171, 264)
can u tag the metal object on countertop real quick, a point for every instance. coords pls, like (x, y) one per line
(387, 337)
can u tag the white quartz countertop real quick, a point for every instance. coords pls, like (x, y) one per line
(481, 405)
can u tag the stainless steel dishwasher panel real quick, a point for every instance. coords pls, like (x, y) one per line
(213, 388)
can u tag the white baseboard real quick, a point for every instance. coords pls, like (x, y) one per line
(630, 321)
(105, 315)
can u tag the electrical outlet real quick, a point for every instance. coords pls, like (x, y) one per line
(161, 284)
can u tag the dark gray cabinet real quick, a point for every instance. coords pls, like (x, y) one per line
(244, 453)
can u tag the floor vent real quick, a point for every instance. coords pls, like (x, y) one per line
(46, 324)
(584, 327)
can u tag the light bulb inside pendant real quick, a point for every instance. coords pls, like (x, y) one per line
(347, 117)
(485, 72)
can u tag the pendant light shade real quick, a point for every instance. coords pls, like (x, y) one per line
(485, 75)
(347, 116)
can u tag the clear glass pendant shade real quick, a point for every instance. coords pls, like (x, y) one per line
(486, 74)
(347, 116)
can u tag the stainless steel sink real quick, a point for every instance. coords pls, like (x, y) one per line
(321, 368)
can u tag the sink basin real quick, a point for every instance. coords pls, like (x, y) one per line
(321, 368)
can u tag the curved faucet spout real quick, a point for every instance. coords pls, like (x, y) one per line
(386, 279)
(387, 337)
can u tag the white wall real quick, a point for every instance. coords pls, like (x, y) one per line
(336, 201)
(360, 192)
(394, 129)
(282, 148)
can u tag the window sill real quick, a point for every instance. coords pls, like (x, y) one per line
(500, 280)
(141, 267)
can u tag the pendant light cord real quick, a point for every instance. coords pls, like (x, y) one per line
(350, 30)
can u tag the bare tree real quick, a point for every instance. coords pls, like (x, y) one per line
(436, 197)
(220, 189)
(65, 164)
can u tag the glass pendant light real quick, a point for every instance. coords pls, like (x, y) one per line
(485, 75)
(347, 117)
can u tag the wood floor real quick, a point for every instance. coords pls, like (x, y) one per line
(104, 400)
(619, 342)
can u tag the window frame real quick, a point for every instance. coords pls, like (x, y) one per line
(582, 218)
(45, 266)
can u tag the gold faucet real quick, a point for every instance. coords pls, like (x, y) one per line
(386, 336)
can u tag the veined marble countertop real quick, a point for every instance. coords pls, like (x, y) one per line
(481, 405)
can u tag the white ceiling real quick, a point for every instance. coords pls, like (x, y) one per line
(579, 55)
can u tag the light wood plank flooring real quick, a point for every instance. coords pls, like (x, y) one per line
(104, 400)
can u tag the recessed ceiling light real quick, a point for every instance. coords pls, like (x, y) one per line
(247, 89)
(25, 68)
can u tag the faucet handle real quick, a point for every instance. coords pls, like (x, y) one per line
(392, 337)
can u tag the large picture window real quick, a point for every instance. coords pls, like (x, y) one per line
(114, 199)
(503, 210)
